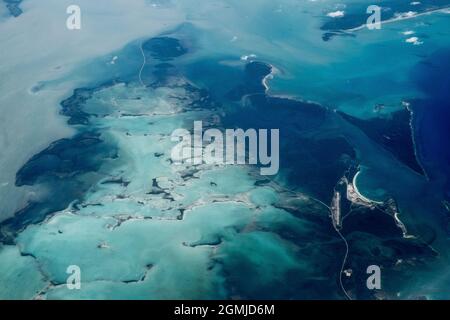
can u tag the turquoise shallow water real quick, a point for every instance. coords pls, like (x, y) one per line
(140, 227)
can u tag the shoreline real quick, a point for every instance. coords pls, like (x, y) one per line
(270, 76)
(395, 216)
(359, 193)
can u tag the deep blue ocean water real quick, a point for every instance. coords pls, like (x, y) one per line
(433, 115)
